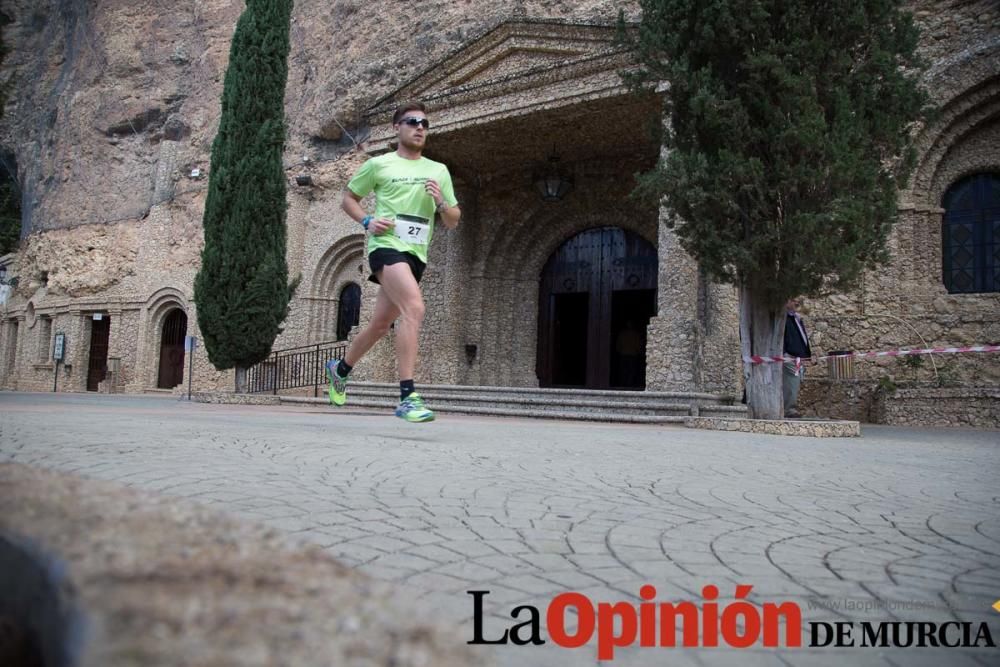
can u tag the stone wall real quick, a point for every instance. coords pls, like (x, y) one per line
(112, 124)
(673, 347)
(509, 241)
(969, 407)
(826, 398)
(905, 304)
(117, 104)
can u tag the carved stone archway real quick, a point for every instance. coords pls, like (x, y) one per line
(500, 108)
(597, 294)
(341, 264)
(159, 307)
(172, 335)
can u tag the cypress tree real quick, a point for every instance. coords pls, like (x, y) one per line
(10, 193)
(242, 291)
(790, 126)
(10, 210)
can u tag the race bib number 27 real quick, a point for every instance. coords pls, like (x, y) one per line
(412, 229)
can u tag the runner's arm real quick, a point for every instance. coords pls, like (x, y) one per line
(351, 203)
(352, 206)
(450, 215)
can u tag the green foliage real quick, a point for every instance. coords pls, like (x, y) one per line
(948, 375)
(10, 194)
(242, 289)
(790, 126)
(887, 385)
(10, 215)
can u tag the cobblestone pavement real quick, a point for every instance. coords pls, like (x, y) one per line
(903, 522)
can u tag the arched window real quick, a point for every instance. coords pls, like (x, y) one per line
(349, 310)
(970, 235)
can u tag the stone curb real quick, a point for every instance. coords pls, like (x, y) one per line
(522, 413)
(800, 427)
(158, 581)
(229, 398)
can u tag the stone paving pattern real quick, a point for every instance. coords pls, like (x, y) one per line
(529, 509)
(154, 581)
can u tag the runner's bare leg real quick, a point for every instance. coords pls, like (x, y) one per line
(385, 314)
(403, 291)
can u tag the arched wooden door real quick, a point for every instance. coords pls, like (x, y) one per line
(97, 365)
(172, 350)
(596, 295)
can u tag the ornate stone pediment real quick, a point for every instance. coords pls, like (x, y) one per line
(514, 69)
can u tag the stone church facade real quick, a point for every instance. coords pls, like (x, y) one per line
(587, 289)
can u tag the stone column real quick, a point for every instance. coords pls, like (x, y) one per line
(74, 374)
(446, 291)
(118, 342)
(436, 347)
(297, 223)
(720, 361)
(469, 286)
(673, 341)
(12, 353)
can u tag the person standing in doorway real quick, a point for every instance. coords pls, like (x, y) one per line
(797, 346)
(409, 190)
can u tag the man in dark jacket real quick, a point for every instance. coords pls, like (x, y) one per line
(796, 345)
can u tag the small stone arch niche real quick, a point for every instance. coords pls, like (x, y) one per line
(167, 325)
(342, 265)
(170, 370)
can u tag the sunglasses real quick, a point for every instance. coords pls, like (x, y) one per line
(413, 122)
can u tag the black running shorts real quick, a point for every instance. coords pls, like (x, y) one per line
(382, 257)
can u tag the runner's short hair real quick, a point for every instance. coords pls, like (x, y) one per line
(408, 106)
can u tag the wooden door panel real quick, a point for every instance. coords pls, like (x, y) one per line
(171, 371)
(598, 263)
(97, 366)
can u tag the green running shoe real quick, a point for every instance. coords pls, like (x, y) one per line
(338, 385)
(412, 409)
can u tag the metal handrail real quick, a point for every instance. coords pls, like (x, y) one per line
(294, 367)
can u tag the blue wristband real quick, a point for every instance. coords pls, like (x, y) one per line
(366, 220)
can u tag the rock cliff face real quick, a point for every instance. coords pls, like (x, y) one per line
(115, 103)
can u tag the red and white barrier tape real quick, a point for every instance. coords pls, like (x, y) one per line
(871, 355)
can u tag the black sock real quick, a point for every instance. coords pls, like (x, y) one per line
(405, 389)
(343, 368)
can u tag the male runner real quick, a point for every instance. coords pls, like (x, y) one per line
(409, 190)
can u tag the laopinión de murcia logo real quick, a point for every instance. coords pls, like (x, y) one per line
(739, 624)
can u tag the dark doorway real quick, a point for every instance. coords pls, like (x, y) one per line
(630, 313)
(597, 293)
(569, 326)
(97, 368)
(172, 350)
(348, 310)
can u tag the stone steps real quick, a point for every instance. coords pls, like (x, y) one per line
(587, 405)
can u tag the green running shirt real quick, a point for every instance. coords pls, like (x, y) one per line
(398, 185)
